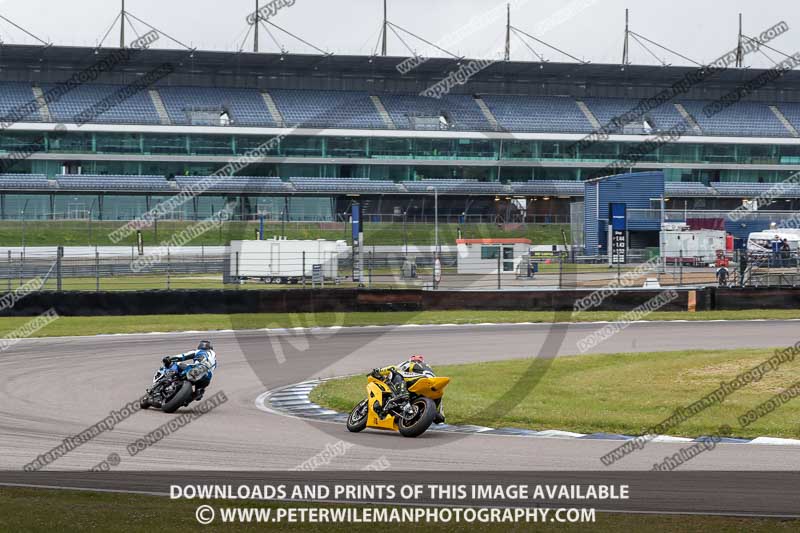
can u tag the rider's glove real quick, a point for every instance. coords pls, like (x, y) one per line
(167, 362)
(376, 373)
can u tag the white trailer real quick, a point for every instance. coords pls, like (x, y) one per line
(284, 261)
(691, 246)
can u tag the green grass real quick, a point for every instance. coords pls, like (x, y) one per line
(83, 233)
(94, 325)
(34, 511)
(619, 393)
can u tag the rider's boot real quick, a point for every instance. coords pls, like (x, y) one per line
(198, 394)
(400, 392)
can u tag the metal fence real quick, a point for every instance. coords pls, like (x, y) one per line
(499, 269)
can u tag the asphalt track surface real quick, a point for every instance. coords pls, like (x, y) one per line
(52, 388)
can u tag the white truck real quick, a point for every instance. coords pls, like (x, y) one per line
(695, 247)
(761, 241)
(284, 261)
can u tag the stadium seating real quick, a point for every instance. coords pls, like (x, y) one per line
(112, 183)
(186, 105)
(792, 113)
(345, 185)
(23, 182)
(748, 119)
(236, 184)
(545, 114)
(461, 110)
(13, 95)
(548, 187)
(135, 108)
(245, 107)
(661, 118)
(751, 190)
(450, 186)
(327, 109)
(687, 189)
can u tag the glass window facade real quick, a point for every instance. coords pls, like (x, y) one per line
(393, 148)
(123, 207)
(26, 206)
(76, 206)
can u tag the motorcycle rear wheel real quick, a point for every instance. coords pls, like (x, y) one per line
(184, 395)
(357, 423)
(426, 411)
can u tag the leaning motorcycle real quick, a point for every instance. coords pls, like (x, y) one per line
(425, 396)
(173, 387)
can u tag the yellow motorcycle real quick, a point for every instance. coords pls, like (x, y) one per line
(380, 411)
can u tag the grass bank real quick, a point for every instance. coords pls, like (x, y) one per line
(95, 325)
(90, 233)
(616, 393)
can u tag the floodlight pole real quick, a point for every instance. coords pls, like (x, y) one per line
(625, 42)
(255, 25)
(508, 32)
(739, 51)
(122, 26)
(385, 28)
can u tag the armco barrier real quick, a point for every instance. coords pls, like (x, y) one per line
(755, 298)
(322, 300)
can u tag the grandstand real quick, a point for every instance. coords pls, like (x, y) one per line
(352, 126)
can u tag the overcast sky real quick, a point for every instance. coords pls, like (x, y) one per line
(589, 29)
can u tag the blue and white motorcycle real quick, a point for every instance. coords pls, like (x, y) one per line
(173, 386)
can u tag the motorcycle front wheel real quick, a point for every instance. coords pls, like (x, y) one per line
(422, 419)
(184, 395)
(357, 420)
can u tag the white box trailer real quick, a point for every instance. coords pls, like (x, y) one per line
(284, 261)
(691, 246)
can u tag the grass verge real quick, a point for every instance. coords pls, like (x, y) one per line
(81, 512)
(616, 393)
(95, 325)
(90, 233)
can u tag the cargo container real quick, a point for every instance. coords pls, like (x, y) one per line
(284, 261)
(691, 247)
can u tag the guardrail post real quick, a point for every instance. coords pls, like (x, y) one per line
(168, 264)
(97, 267)
(59, 256)
(680, 280)
(369, 269)
(303, 273)
(499, 259)
(561, 271)
(433, 270)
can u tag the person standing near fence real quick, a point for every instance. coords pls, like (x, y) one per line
(722, 276)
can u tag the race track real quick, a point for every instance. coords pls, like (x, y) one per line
(52, 388)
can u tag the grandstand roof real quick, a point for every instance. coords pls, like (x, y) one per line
(52, 63)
